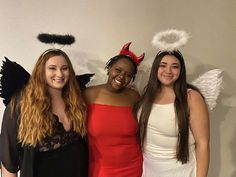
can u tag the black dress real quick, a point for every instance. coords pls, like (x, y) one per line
(64, 154)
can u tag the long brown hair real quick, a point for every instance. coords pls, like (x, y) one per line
(181, 104)
(35, 103)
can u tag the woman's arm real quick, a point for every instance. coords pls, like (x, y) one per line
(9, 154)
(6, 173)
(199, 124)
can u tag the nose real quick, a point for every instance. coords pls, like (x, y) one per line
(122, 75)
(168, 69)
(59, 73)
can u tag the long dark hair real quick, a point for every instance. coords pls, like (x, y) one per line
(181, 104)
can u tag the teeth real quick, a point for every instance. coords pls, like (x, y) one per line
(118, 82)
(168, 76)
(58, 80)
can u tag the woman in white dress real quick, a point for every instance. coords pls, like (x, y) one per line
(174, 122)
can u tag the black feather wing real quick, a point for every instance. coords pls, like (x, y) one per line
(13, 78)
(83, 80)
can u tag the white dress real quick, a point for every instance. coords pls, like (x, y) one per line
(159, 156)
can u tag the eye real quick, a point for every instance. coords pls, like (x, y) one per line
(64, 68)
(117, 70)
(162, 65)
(52, 68)
(129, 75)
(175, 66)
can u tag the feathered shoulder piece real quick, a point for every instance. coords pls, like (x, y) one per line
(210, 84)
(13, 78)
(84, 79)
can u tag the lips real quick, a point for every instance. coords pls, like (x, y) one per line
(167, 77)
(58, 80)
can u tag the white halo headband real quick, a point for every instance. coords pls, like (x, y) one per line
(160, 40)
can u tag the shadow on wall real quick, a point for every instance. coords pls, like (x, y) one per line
(144, 69)
(141, 78)
(233, 155)
(217, 117)
(89, 63)
(229, 99)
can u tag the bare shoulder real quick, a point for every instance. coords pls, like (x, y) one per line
(133, 94)
(196, 100)
(91, 89)
(91, 92)
(194, 96)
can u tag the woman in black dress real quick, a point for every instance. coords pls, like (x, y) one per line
(43, 130)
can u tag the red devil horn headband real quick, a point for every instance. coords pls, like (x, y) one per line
(125, 51)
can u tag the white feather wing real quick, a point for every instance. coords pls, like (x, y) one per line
(210, 84)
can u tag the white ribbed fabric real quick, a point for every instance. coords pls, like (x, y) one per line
(160, 146)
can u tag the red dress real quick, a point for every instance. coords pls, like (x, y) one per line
(114, 147)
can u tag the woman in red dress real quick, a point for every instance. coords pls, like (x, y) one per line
(114, 146)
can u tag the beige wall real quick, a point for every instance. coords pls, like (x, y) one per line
(101, 27)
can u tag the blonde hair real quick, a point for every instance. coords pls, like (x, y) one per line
(36, 117)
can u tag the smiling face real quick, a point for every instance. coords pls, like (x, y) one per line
(56, 72)
(120, 75)
(169, 70)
